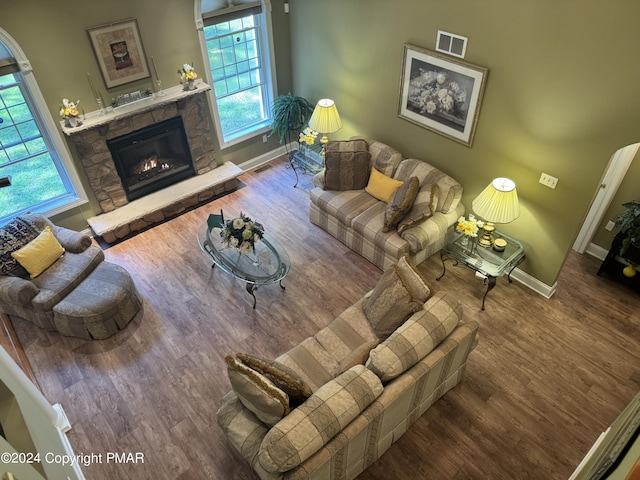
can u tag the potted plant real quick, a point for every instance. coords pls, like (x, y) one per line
(290, 115)
(629, 224)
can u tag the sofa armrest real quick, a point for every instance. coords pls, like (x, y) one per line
(72, 241)
(432, 229)
(318, 179)
(18, 289)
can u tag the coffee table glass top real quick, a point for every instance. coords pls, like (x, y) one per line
(269, 263)
(485, 259)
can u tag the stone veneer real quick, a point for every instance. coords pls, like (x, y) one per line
(92, 149)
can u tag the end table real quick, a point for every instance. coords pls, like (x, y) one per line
(488, 263)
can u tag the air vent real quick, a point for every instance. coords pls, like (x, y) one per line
(452, 44)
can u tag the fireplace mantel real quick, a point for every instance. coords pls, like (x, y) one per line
(171, 95)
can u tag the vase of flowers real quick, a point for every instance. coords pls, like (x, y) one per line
(241, 233)
(69, 112)
(469, 228)
(188, 76)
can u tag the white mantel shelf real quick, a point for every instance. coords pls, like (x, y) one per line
(96, 119)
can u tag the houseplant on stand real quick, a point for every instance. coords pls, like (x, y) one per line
(290, 115)
(629, 224)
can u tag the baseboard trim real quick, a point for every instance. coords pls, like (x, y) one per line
(534, 284)
(597, 251)
(262, 159)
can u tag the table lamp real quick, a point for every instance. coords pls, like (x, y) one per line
(325, 119)
(498, 203)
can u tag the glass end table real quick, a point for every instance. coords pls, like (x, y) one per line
(485, 261)
(268, 264)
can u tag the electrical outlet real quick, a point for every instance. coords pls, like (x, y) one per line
(265, 138)
(548, 181)
(610, 225)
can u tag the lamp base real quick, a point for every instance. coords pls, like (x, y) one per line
(487, 239)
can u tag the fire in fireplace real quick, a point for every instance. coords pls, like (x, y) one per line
(152, 158)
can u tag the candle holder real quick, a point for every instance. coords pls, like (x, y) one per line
(102, 110)
(159, 91)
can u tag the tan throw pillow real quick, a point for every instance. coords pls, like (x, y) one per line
(346, 165)
(400, 203)
(413, 280)
(358, 356)
(423, 207)
(381, 187)
(389, 304)
(283, 377)
(416, 338)
(40, 253)
(256, 392)
(309, 427)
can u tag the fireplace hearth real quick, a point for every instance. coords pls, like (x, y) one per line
(152, 158)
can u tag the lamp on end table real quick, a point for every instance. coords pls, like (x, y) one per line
(325, 119)
(498, 203)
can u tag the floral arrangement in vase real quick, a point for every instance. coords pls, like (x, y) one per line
(69, 111)
(307, 136)
(469, 227)
(187, 76)
(241, 233)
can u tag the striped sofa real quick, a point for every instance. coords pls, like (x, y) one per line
(365, 391)
(356, 218)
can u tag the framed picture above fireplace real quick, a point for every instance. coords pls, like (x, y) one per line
(119, 52)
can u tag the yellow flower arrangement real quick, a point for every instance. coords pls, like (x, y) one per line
(469, 227)
(187, 73)
(308, 136)
(69, 109)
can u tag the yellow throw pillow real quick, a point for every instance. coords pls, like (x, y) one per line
(381, 186)
(40, 253)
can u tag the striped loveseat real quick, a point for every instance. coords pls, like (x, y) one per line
(356, 218)
(333, 404)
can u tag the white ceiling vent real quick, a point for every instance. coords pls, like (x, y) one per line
(451, 44)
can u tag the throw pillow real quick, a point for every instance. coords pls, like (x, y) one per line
(422, 208)
(400, 203)
(40, 253)
(413, 280)
(346, 165)
(358, 356)
(283, 377)
(381, 187)
(256, 392)
(416, 338)
(389, 304)
(309, 427)
(13, 236)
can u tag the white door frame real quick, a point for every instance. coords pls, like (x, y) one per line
(613, 176)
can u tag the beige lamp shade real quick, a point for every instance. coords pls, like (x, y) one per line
(325, 118)
(498, 203)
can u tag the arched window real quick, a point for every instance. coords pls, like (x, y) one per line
(33, 158)
(237, 44)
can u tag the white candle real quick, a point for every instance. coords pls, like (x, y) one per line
(93, 89)
(155, 69)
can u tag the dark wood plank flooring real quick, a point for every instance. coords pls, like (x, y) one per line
(546, 378)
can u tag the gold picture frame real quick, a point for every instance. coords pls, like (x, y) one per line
(119, 52)
(441, 94)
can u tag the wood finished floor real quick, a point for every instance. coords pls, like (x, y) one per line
(546, 378)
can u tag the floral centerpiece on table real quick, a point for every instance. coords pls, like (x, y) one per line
(469, 227)
(69, 109)
(241, 233)
(187, 73)
(307, 136)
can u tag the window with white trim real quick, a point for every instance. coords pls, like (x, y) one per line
(29, 156)
(238, 51)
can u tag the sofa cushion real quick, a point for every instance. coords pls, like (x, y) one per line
(400, 203)
(13, 236)
(346, 165)
(389, 304)
(344, 206)
(40, 253)
(369, 224)
(423, 208)
(413, 280)
(416, 338)
(359, 356)
(283, 377)
(382, 186)
(311, 361)
(384, 158)
(309, 427)
(257, 392)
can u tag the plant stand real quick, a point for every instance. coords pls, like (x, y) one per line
(613, 264)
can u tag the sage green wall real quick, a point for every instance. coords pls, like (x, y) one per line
(53, 36)
(560, 95)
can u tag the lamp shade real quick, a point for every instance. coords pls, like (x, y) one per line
(325, 118)
(498, 203)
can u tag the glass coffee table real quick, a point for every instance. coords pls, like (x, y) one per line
(268, 264)
(488, 263)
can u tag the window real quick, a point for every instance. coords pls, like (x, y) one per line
(238, 48)
(28, 153)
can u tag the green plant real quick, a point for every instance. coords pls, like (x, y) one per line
(629, 224)
(290, 115)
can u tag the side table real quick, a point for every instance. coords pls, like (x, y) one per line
(307, 160)
(488, 263)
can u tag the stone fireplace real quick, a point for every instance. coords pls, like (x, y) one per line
(123, 200)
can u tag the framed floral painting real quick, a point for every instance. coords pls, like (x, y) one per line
(440, 93)
(119, 51)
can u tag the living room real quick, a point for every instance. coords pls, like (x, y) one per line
(554, 103)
